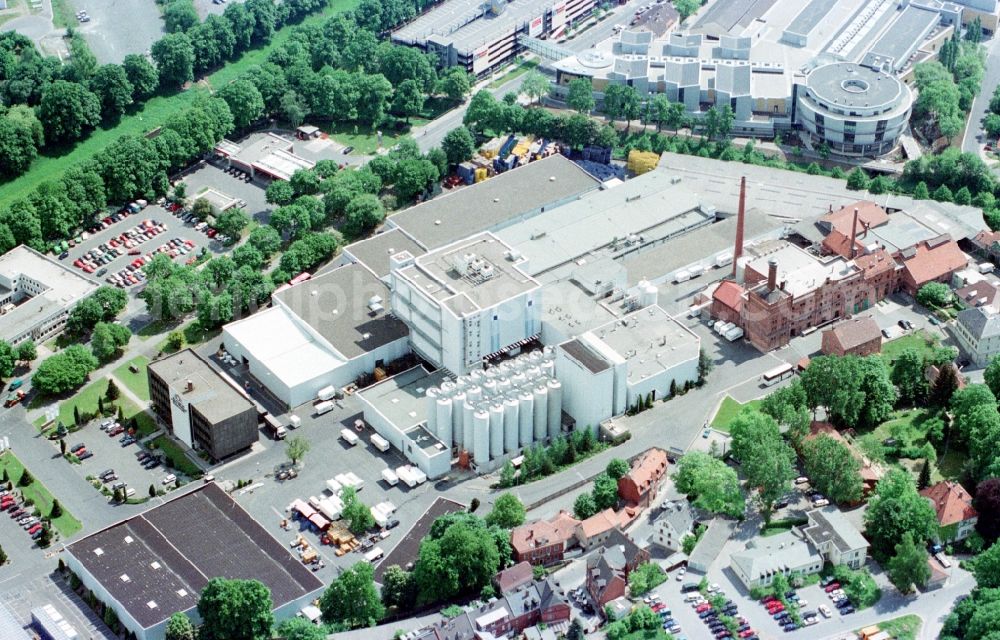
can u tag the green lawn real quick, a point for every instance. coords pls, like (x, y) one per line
(175, 453)
(363, 139)
(922, 341)
(66, 524)
(728, 410)
(902, 628)
(136, 382)
(86, 399)
(648, 634)
(516, 72)
(152, 114)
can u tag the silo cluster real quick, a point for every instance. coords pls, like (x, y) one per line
(497, 412)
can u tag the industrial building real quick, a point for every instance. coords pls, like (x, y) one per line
(837, 70)
(269, 157)
(37, 294)
(155, 564)
(483, 36)
(201, 407)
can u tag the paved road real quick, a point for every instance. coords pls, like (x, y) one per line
(603, 29)
(974, 136)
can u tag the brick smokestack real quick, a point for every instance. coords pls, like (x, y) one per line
(772, 274)
(740, 217)
(854, 232)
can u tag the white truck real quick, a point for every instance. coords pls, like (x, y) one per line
(389, 477)
(381, 518)
(411, 476)
(374, 555)
(331, 507)
(682, 276)
(985, 267)
(349, 436)
(350, 479)
(327, 393)
(333, 486)
(323, 407)
(379, 442)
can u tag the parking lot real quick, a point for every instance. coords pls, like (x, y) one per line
(209, 176)
(119, 27)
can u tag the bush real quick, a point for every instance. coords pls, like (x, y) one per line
(859, 586)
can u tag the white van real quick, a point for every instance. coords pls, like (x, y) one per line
(374, 554)
(167, 479)
(323, 407)
(349, 436)
(390, 478)
(294, 422)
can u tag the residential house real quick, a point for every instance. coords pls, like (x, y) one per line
(510, 614)
(710, 546)
(978, 333)
(955, 514)
(641, 484)
(982, 294)
(608, 571)
(858, 337)
(785, 554)
(513, 578)
(544, 541)
(836, 539)
(933, 260)
(931, 373)
(987, 244)
(595, 530)
(674, 523)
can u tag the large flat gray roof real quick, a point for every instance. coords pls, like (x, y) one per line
(402, 399)
(810, 16)
(374, 252)
(494, 203)
(730, 16)
(336, 306)
(214, 397)
(466, 23)
(650, 340)
(157, 563)
(905, 34)
(847, 85)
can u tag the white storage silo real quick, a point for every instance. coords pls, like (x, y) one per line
(549, 351)
(503, 385)
(474, 394)
(458, 419)
(496, 430)
(549, 368)
(490, 387)
(541, 415)
(468, 426)
(510, 425)
(648, 294)
(533, 372)
(481, 437)
(525, 417)
(554, 408)
(535, 356)
(444, 409)
(432, 396)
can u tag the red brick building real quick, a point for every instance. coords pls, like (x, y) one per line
(858, 337)
(935, 260)
(641, 484)
(544, 541)
(608, 571)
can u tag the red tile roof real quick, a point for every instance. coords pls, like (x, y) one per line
(980, 294)
(543, 533)
(951, 501)
(928, 261)
(871, 472)
(648, 468)
(599, 523)
(868, 213)
(875, 263)
(840, 244)
(513, 577)
(730, 294)
(854, 333)
(987, 238)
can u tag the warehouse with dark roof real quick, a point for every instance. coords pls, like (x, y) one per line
(152, 565)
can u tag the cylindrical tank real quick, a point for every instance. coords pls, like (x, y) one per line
(490, 387)
(648, 294)
(476, 375)
(510, 425)
(444, 408)
(534, 371)
(518, 380)
(457, 419)
(536, 356)
(496, 430)
(468, 427)
(474, 393)
(525, 418)
(549, 350)
(432, 396)
(549, 368)
(481, 438)
(503, 385)
(541, 416)
(555, 408)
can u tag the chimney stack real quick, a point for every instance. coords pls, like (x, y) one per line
(772, 274)
(741, 215)
(854, 232)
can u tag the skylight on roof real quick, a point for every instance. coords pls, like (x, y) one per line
(125, 578)
(182, 592)
(151, 604)
(154, 564)
(128, 540)
(98, 552)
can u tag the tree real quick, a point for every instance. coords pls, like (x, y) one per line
(482, 111)
(507, 513)
(895, 509)
(142, 75)
(992, 376)
(245, 102)
(580, 96)
(575, 631)
(17, 148)
(605, 492)
(296, 448)
(908, 376)
(352, 599)
(175, 340)
(617, 468)
(357, 514)
(66, 110)
(534, 85)
(174, 58)
(363, 213)
(987, 504)
(231, 224)
(455, 83)
(934, 295)
(832, 469)
(765, 458)
(458, 145)
(297, 628)
(987, 568)
(179, 16)
(7, 359)
(924, 479)
(857, 179)
(413, 176)
(713, 483)
(398, 588)
(232, 609)
(108, 340)
(909, 566)
(584, 506)
(920, 191)
(25, 352)
(408, 99)
(461, 555)
(26, 479)
(644, 577)
(65, 370)
(943, 194)
(945, 385)
(56, 510)
(687, 8)
(179, 627)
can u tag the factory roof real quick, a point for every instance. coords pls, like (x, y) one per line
(829, 525)
(583, 354)
(63, 288)
(296, 358)
(346, 307)
(425, 440)
(810, 16)
(467, 24)
(903, 37)
(269, 153)
(800, 271)
(374, 252)
(571, 310)
(477, 273)
(654, 203)
(730, 17)
(842, 219)
(402, 399)
(494, 203)
(11, 629)
(650, 340)
(902, 231)
(980, 294)
(137, 563)
(214, 395)
(933, 259)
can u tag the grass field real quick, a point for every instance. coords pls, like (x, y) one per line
(136, 382)
(66, 524)
(728, 410)
(922, 341)
(152, 114)
(86, 399)
(175, 453)
(516, 72)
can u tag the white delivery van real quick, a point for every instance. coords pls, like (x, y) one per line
(375, 554)
(390, 477)
(349, 436)
(696, 270)
(327, 393)
(294, 422)
(323, 407)
(682, 276)
(379, 442)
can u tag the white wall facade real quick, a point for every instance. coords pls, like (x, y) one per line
(659, 383)
(434, 465)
